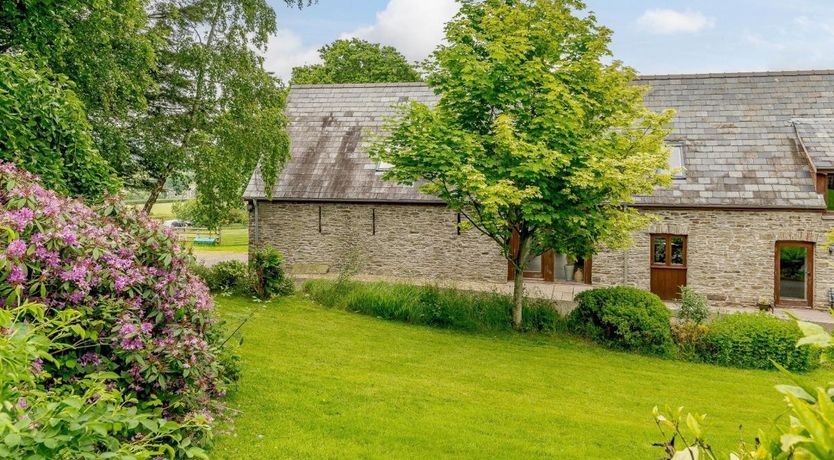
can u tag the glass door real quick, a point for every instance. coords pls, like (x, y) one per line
(794, 273)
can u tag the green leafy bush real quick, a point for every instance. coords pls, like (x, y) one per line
(146, 328)
(624, 317)
(44, 129)
(433, 306)
(268, 276)
(229, 276)
(44, 417)
(694, 306)
(752, 340)
(689, 339)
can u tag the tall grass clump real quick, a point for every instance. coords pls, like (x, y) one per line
(433, 306)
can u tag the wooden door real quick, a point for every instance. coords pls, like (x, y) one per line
(794, 274)
(668, 265)
(540, 268)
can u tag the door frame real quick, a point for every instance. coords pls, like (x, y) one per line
(668, 265)
(547, 273)
(809, 274)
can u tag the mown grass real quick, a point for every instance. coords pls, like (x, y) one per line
(326, 383)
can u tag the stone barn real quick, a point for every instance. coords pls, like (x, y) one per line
(747, 216)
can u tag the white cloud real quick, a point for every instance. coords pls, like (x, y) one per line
(804, 42)
(413, 27)
(285, 51)
(665, 22)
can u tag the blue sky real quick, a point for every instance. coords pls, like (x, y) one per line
(652, 36)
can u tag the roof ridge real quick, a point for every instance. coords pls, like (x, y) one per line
(363, 85)
(765, 73)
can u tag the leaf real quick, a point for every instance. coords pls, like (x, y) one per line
(12, 439)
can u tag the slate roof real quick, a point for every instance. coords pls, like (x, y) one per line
(328, 126)
(740, 135)
(817, 140)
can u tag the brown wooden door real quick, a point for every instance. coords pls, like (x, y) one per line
(540, 268)
(794, 273)
(668, 265)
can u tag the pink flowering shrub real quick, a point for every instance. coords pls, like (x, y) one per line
(146, 317)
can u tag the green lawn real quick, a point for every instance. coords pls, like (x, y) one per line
(321, 383)
(232, 238)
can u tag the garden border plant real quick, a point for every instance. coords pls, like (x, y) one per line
(145, 325)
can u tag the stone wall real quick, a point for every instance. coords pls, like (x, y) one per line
(409, 241)
(731, 254)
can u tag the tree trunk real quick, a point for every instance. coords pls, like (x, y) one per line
(518, 298)
(155, 191)
(520, 261)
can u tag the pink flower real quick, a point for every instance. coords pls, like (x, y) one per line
(16, 276)
(16, 249)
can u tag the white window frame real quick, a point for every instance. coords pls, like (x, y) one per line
(677, 149)
(382, 166)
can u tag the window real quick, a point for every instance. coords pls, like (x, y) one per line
(676, 163)
(829, 192)
(382, 166)
(669, 250)
(825, 187)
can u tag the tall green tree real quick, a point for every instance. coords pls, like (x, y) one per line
(44, 129)
(537, 132)
(217, 112)
(104, 47)
(356, 61)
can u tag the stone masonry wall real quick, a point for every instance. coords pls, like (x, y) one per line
(411, 241)
(730, 255)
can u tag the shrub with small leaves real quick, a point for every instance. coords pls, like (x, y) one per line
(269, 278)
(228, 276)
(756, 340)
(694, 306)
(624, 317)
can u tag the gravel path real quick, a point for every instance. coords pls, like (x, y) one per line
(209, 258)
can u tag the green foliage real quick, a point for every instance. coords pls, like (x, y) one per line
(694, 306)
(755, 341)
(433, 306)
(43, 416)
(208, 216)
(356, 61)
(624, 317)
(218, 113)
(228, 276)
(810, 434)
(689, 339)
(104, 47)
(267, 271)
(43, 129)
(537, 131)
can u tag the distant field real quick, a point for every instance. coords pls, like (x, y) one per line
(233, 238)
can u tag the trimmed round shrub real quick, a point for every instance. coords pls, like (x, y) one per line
(625, 318)
(752, 340)
(145, 321)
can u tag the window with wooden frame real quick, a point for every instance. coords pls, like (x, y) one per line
(668, 250)
(825, 186)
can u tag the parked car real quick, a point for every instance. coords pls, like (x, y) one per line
(176, 223)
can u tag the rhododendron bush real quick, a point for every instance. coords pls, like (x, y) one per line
(145, 318)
